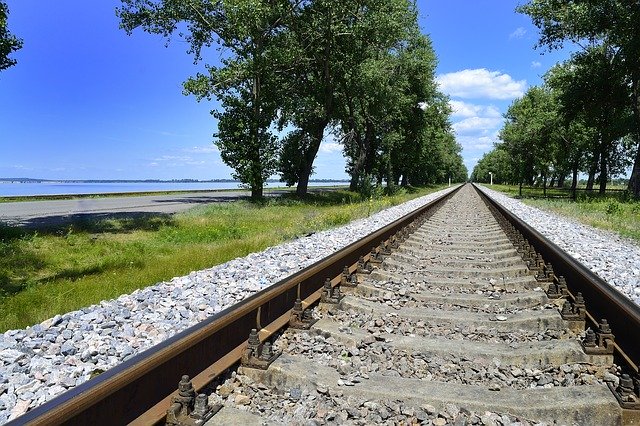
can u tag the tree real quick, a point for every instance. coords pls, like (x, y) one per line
(316, 40)
(612, 22)
(246, 84)
(591, 89)
(528, 135)
(9, 43)
(496, 163)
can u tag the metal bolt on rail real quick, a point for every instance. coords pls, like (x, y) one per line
(331, 294)
(374, 256)
(347, 279)
(187, 409)
(363, 267)
(394, 242)
(300, 319)
(551, 276)
(604, 341)
(579, 306)
(385, 248)
(541, 275)
(589, 340)
(563, 289)
(626, 392)
(552, 290)
(557, 288)
(257, 354)
(574, 314)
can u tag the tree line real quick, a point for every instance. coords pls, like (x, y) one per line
(585, 117)
(294, 72)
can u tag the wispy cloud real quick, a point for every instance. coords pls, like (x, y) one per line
(481, 84)
(465, 110)
(518, 33)
(481, 142)
(535, 64)
(330, 147)
(176, 160)
(476, 124)
(209, 149)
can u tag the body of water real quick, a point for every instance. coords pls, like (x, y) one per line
(9, 189)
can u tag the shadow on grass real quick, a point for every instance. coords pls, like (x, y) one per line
(21, 264)
(94, 223)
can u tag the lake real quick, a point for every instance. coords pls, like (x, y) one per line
(8, 189)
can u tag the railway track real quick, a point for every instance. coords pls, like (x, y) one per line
(452, 318)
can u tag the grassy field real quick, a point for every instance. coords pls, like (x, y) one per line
(610, 213)
(47, 273)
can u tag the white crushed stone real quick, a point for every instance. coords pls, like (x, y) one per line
(42, 361)
(613, 258)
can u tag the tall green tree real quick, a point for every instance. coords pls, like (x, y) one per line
(315, 41)
(590, 88)
(528, 134)
(614, 22)
(9, 43)
(247, 32)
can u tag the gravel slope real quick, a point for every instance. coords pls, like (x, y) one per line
(611, 257)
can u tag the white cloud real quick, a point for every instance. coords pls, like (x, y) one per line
(330, 147)
(476, 124)
(465, 109)
(518, 33)
(481, 83)
(535, 64)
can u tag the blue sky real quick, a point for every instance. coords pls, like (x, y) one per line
(86, 101)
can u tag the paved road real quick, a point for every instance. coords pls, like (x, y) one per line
(39, 214)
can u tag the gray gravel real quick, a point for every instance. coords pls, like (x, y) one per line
(613, 258)
(324, 406)
(42, 361)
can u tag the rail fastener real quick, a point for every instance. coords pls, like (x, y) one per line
(187, 409)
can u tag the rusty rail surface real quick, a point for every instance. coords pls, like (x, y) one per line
(138, 391)
(602, 300)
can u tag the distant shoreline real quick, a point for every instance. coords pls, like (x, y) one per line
(31, 180)
(57, 190)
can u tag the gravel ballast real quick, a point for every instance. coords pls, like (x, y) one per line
(613, 258)
(43, 361)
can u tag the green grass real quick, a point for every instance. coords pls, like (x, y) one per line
(49, 272)
(609, 212)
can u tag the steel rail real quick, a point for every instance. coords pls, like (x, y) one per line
(134, 388)
(602, 299)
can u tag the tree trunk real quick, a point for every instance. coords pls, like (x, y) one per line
(562, 179)
(603, 172)
(404, 181)
(303, 184)
(592, 175)
(316, 132)
(256, 193)
(634, 180)
(574, 181)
